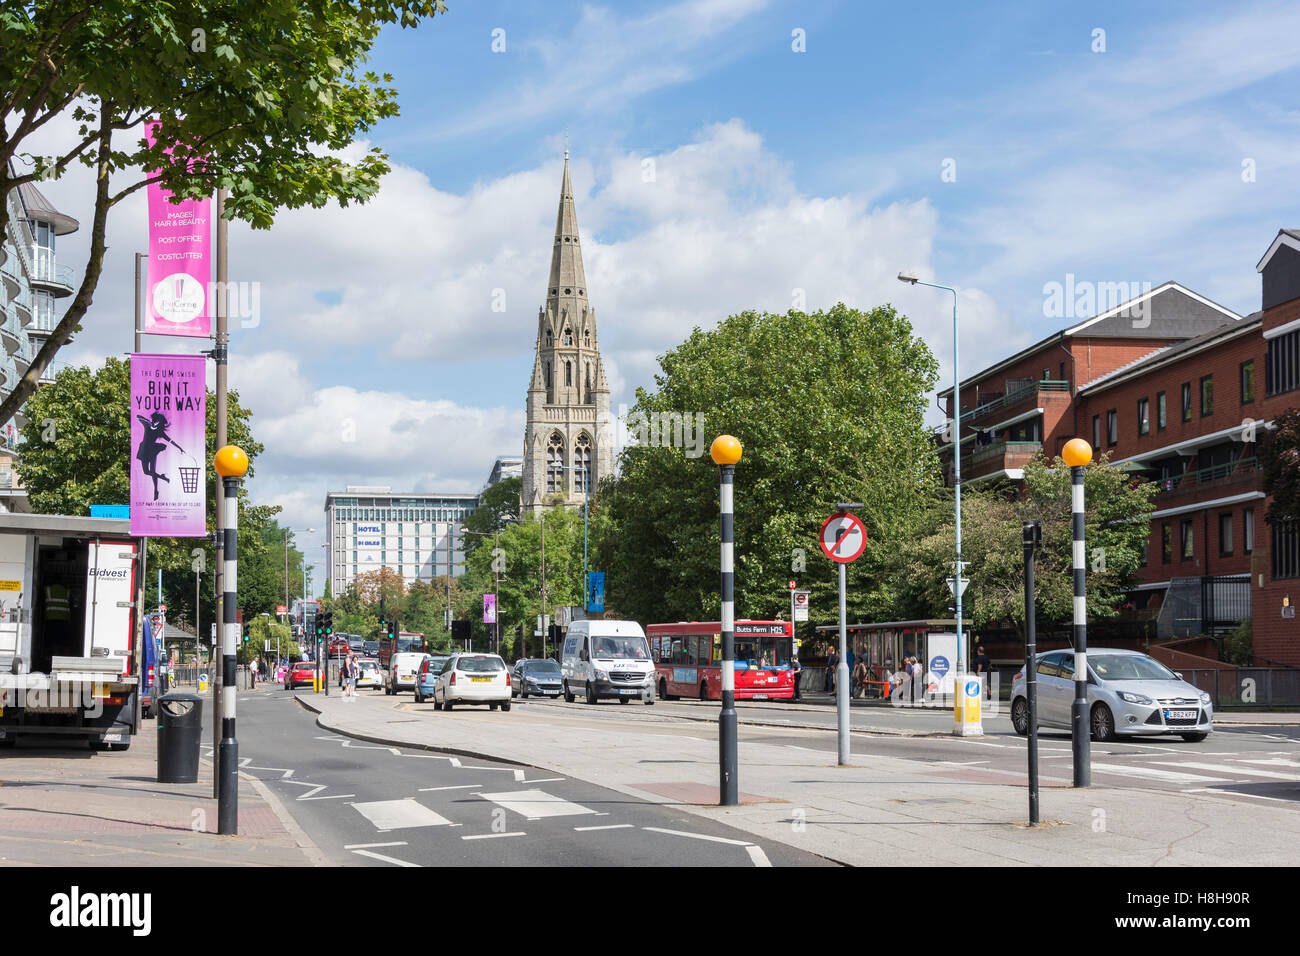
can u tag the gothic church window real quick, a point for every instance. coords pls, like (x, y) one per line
(555, 464)
(582, 463)
(568, 374)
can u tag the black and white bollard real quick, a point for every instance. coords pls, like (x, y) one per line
(1077, 453)
(231, 464)
(725, 452)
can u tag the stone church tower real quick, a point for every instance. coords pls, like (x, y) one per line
(569, 437)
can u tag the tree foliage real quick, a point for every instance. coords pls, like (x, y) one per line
(1116, 525)
(829, 407)
(258, 98)
(76, 451)
(1279, 460)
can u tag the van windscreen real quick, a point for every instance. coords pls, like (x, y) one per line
(620, 648)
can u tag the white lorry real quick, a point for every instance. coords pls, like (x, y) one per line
(70, 652)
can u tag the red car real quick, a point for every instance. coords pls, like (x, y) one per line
(303, 672)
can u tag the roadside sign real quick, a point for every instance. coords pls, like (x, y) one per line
(843, 537)
(952, 585)
(281, 609)
(799, 605)
(793, 585)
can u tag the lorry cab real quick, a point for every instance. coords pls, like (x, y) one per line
(604, 659)
(70, 657)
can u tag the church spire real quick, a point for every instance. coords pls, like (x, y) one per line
(567, 286)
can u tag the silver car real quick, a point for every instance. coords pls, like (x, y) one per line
(1129, 694)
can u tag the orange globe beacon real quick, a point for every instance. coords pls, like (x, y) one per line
(1077, 453)
(231, 462)
(725, 450)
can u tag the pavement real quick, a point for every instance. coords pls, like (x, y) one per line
(62, 805)
(881, 809)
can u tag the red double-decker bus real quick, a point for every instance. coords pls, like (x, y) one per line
(688, 659)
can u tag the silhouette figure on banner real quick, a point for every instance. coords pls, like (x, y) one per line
(151, 446)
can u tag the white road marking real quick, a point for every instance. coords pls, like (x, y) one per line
(535, 804)
(491, 836)
(399, 814)
(311, 794)
(1233, 793)
(608, 826)
(1151, 773)
(519, 774)
(957, 763)
(758, 856)
(371, 846)
(1221, 768)
(547, 780)
(386, 859)
(461, 786)
(698, 836)
(1275, 762)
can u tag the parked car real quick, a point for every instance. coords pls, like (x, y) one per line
(1129, 694)
(427, 676)
(472, 679)
(302, 672)
(369, 674)
(537, 677)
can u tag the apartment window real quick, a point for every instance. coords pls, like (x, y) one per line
(1144, 416)
(1144, 552)
(1247, 382)
(1225, 533)
(1187, 401)
(1161, 419)
(1282, 364)
(1062, 372)
(1185, 537)
(1286, 550)
(1112, 427)
(1047, 374)
(1248, 530)
(1166, 544)
(1207, 395)
(1096, 431)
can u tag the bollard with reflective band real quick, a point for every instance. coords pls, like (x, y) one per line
(968, 696)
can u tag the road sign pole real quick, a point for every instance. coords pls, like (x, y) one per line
(1077, 453)
(842, 674)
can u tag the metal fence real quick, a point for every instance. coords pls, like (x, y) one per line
(1208, 604)
(1248, 686)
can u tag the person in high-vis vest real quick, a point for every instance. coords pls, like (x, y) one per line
(58, 603)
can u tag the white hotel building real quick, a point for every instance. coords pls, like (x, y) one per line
(369, 527)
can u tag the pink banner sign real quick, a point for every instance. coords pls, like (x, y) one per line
(179, 273)
(168, 446)
(489, 609)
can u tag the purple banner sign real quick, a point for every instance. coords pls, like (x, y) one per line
(180, 236)
(168, 446)
(489, 609)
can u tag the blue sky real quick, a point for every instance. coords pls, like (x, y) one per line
(778, 177)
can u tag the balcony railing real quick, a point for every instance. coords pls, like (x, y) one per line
(1000, 450)
(1013, 396)
(1239, 470)
(47, 271)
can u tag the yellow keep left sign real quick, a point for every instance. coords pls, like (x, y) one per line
(11, 585)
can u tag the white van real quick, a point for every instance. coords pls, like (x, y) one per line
(607, 659)
(402, 670)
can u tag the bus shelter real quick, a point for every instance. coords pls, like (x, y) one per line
(886, 647)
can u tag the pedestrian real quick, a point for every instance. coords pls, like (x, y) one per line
(350, 675)
(252, 673)
(832, 662)
(859, 677)
(983, 670)
(798, 674)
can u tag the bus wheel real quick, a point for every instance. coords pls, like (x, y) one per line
(704, 690)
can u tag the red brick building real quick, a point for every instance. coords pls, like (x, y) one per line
(1175, 389)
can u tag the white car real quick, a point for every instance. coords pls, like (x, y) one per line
(369, 674)
(402, 670)
(472, 679)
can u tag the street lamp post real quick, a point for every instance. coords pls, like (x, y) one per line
(912, 279)
(725, 452)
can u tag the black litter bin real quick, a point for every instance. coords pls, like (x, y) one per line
(180, 725)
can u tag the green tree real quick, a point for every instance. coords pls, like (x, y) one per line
(1115, 527)
(259, 98)
(829, 407)
(1279, 460)
(76, 451)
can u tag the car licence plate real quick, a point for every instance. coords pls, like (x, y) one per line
(481, 680)
(112, 738)
(1180, 715)
(760, 697)
(628, 691)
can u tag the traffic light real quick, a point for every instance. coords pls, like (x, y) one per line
(392, 629)
(383, 626)
(327, 623)
(460, 631)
